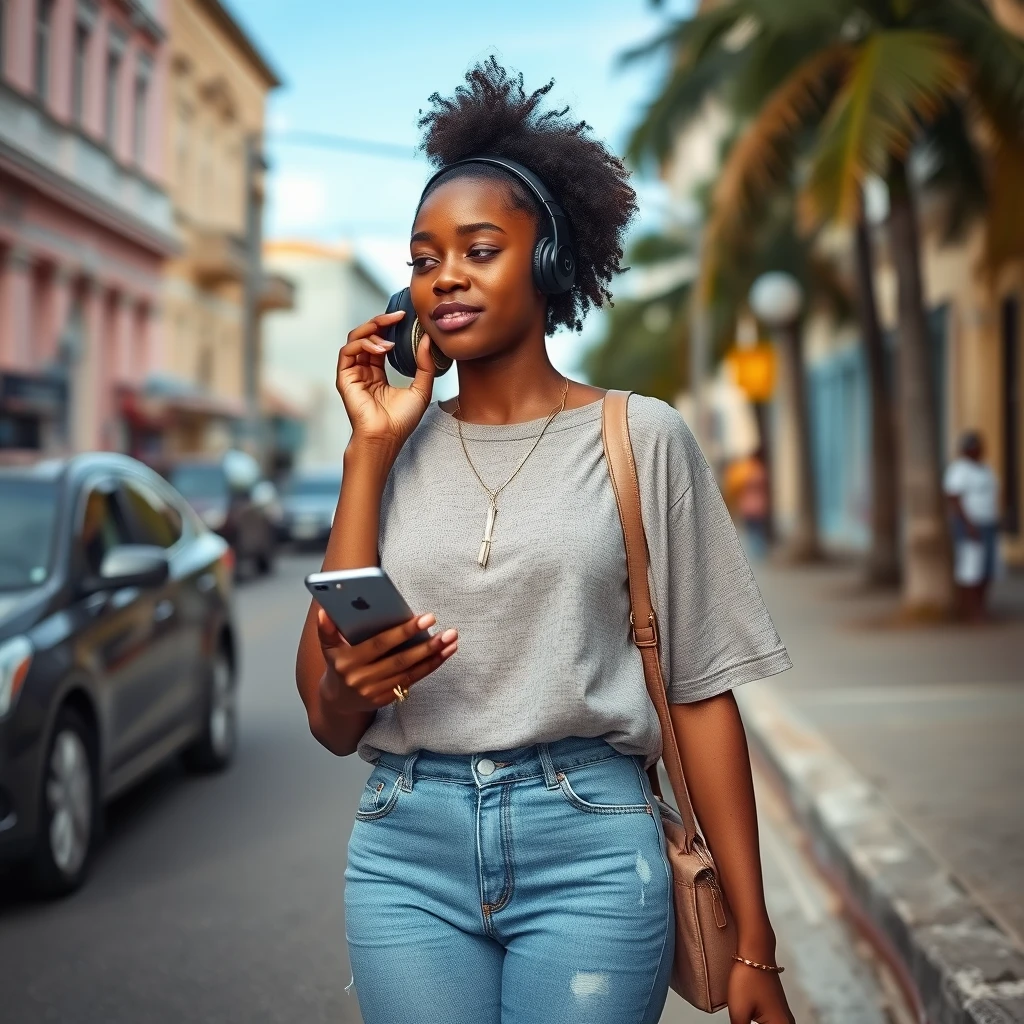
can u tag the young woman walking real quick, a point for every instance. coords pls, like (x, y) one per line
(507, 863)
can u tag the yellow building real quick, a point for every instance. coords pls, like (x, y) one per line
(217, 98)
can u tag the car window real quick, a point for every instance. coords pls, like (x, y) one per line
(101, 528)
(154, 520)
(198, 480)
(313, 487)
(28, 511)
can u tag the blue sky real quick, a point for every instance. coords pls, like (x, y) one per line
(364, 69)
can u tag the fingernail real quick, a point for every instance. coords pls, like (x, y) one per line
(425, 620)
(449, 651)
(449, 635)
(388, 344)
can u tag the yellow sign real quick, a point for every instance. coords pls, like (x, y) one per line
(753, 369)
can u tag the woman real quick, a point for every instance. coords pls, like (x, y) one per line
(506, 864)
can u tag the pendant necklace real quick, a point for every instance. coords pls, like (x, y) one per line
(492, 510)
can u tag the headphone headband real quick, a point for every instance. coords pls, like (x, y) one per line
(555, 263)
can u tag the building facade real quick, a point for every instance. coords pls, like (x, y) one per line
(334, 293)
(215, 107)
(85, 221)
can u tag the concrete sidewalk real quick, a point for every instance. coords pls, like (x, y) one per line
(900, 750)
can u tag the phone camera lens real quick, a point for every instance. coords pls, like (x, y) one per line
(337, 586)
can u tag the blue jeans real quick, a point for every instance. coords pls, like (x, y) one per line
(523, 886)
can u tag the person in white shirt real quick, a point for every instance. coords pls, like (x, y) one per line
(972, 493)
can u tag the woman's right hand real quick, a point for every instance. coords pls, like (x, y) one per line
(379, 412)
(362, 677)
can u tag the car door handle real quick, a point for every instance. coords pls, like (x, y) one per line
(206, 582)
(164, 610)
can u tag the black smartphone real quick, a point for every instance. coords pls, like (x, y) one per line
(362, 603)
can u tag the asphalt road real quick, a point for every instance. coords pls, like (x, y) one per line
(219, 900)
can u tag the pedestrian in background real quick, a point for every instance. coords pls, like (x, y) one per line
(747, 490)
(972, 492)
(507, 864)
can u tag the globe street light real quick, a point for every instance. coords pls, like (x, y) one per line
(777, 300)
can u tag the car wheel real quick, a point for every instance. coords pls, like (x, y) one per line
(70, 811)
(215, 748)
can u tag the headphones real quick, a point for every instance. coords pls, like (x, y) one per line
(554, 267)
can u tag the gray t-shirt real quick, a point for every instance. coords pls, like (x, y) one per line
(545, 647)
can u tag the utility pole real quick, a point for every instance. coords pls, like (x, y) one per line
(252, 285)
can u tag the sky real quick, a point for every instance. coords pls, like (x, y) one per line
(364, 70)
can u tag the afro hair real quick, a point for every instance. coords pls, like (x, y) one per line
(492, 113)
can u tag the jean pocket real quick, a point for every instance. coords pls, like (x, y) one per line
(380, 795)
(612, 786)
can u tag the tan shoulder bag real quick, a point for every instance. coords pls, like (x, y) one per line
(705, 932)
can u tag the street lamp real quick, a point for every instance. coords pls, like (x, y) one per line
(777, 300)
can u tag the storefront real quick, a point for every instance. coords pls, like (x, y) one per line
(33, 411)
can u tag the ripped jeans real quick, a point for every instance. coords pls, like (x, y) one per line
(523, 886)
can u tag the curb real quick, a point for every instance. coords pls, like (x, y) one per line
(963, 967)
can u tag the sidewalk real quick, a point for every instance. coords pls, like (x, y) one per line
(900, 750)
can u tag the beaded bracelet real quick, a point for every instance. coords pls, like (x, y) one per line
(760, 967)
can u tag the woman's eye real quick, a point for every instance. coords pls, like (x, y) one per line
(420, 263)
(482, 252)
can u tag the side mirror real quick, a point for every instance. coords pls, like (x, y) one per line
(131, 565)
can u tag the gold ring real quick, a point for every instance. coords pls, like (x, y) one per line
(400, 693)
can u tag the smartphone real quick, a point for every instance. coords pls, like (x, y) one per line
(362, 603)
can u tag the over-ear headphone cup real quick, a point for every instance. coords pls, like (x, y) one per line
(406, 334)
(541, 266)
(401, 356)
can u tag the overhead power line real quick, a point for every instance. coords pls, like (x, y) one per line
(326, 140)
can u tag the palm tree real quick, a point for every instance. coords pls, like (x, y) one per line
(882, 566)
(852, 85)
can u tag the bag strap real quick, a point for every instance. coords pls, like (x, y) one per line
(618, 452)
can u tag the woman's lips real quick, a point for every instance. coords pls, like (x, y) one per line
(456, 320)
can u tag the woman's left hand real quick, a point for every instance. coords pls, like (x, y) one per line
(756, 995)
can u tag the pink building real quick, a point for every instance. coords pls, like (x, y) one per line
(85, 221)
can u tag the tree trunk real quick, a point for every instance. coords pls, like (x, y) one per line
(927, 564)
(803, 544)
(883, 561)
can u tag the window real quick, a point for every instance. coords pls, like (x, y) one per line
(44, 15)
(80, 65)
(102, 529)
(154, 519)
(114, 55)
(143, 72)
(28, 510)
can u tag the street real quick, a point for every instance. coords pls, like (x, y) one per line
(220, 899)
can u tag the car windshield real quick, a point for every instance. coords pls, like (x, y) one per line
(28, 510)
(199, 481)
(314, 487)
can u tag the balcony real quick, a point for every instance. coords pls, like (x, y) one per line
(277, 292)
(217, 257)
(64, 164)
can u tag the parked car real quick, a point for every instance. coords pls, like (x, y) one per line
(308, 503)
(117, 650)
(231, 496)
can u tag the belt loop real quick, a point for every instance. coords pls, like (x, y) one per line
(407, 771)
(550, 781)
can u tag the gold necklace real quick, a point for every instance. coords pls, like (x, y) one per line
(492, 510)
